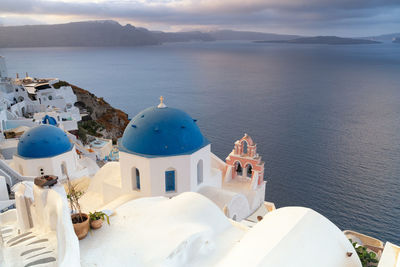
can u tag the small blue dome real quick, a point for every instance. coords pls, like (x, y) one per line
(49, 120)
(162, 132)
(43, 141)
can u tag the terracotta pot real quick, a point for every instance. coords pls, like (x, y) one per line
(96, 224)
(82, 228)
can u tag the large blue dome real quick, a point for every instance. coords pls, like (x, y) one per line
(43, 141)
(162, 132)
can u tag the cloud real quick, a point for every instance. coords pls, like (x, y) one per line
(269, 15)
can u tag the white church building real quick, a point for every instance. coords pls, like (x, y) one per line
(47, 150)
(164, 153)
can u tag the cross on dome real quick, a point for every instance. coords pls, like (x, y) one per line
(161, 105)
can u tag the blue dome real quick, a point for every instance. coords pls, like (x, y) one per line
(43, 141)
(162, 132)
(49, 120)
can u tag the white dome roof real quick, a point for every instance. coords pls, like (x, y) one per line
(293, 236)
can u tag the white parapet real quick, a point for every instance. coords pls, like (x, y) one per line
(3, 189)
(44, 226)
(390, 256)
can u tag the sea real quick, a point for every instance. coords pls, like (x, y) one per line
(326, 118)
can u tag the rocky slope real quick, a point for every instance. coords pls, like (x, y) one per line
(102, 120)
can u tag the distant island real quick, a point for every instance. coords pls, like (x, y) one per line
(90, 33)
(383, 37)
(111, 33)
(331, 40)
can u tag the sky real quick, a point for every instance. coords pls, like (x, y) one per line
(348, 18)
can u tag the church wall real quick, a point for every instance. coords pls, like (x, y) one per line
(127, 162)
(152, 172)
(51, 166)
(205, 155)
(182, 166)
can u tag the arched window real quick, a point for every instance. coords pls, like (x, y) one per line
(135, 179)
(244, 147)
(170, 180)
(200, 172)
(238, 168)
(249, 170)
(64, 169)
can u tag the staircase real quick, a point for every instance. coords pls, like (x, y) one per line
(11, 175)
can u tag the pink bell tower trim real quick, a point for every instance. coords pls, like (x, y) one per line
(245, 162)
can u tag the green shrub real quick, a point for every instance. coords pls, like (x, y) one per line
(368, 259)
(59, 84)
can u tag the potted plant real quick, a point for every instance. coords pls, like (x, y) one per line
(80, 220)
(97, 218)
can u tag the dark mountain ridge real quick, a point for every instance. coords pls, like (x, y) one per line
(75, 34)
(111, 33)
(90, 33)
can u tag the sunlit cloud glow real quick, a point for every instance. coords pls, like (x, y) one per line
(342, 17)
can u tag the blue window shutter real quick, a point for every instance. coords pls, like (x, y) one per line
(137, 179)
(169, 181)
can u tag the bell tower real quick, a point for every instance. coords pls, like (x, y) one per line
(245, 163)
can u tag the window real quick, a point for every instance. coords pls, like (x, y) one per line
(135, 179)
(170, 181)
(63, 169)
(244, 147)
(50, 97)
(238, 168)
(249, 171)
(200, 172)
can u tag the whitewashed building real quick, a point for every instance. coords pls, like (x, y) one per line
(47, 150)
(163, 153)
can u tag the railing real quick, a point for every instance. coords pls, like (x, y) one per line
(13, 176)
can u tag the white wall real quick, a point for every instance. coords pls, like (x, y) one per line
(3, 189)
(52, 213)
(202, 154)
(127, 162)
(152, 172)
(182, 166)
(51, 165)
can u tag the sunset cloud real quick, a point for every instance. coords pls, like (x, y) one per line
(344, 17)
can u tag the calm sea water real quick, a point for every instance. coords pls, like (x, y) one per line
(326, 118)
